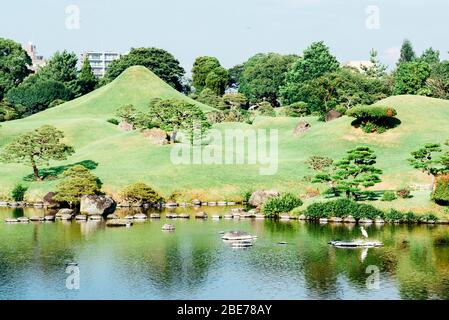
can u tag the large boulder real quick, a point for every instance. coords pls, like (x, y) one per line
(94, 205)
(50, 202)
(301, 127)
(155, 136)
(259, 197)
(332, 115)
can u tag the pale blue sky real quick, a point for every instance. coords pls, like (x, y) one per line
(231, 30)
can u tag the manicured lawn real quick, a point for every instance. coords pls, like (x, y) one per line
(126, 157)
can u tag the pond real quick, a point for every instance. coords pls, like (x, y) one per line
(143, 262)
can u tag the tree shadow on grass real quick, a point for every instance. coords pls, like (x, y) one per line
(53, 173)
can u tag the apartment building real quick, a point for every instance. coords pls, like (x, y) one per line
(100, 61)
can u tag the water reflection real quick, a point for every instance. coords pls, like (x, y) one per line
(143, 262)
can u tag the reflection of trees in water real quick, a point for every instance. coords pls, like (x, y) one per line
(171, 261)
(36, 248)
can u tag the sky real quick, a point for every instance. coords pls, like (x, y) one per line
(231, 30)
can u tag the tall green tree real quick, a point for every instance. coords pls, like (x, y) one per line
(438, 82)
(217, 80)
(411, 78)
(76, 182)
(14, 64)
(377, 69)
(37, 148)
(160, 62)
(430, 56)
(263, 75)
(352, 172)
(201, 69)
(86, 81)
(62, 68)
(407, 52)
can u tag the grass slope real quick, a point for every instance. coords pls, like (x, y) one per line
(126, 157)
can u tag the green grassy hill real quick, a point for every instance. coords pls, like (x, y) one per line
(122, 157)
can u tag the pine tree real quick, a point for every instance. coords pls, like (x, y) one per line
(86, 81)
(407, 53)
(377, 69)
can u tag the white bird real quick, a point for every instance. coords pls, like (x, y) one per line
(364, 233)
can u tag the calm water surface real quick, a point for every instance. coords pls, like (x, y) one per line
(142, 262)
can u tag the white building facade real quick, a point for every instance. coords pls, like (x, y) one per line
(100, 61)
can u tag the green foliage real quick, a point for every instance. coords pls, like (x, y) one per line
(141, 193)
(367, 211)
(394, 216)
(76, 182)
(263, 75)
(266, 109)
(281, 204)
(296, 109)
(344, 87)
(113, 121)
(234, 75)
(430, 159)
(407, 53)
(86, 81)
(37, 94)
(210, 98)
(438, 82)
(377, 69)
(342, 208)
(202, 67)
(217, 80)
(315, 62)
(411, 77)
(56, 103)
(234, 101)
(18, 192)
(159, 61)
(441, 193)
(7, 111)
(319, 163)
(430, 56)
(128, 113)
(389, 196)
(37, 147)
(14, 63)
(373, 118)
(354, 170)
(233, 115)
(177, 115)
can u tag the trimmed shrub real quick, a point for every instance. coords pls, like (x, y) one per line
(367, 211)
(394, 215)
(18, 192)
(441, 193)
(373, 118)
(140, 193)
(403, 193)
(317, 211)
(297, 109)
(282, 204)
(265, 109)
(428, 217)
(388, 196)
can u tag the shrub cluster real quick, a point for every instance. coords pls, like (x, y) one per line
(441, 193)
(408, 217)
(18, 192)
(281, 204)
(140, 193)
(297, 109)
(374, 118)
(388, 196)
(342, 208)
(403, 193)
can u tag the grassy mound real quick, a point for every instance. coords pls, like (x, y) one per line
(120, 158)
